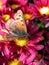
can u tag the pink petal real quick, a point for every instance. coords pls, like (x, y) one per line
(44, 2)
(22, 57)
(39, 47)
(33, 54)
(36, 40)
(31, 57)
(48, 2)
(2, 33)
(4, 1)
(47, 57)
(22, 2)
(35, 1)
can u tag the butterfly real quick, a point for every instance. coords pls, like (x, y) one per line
(16, 26)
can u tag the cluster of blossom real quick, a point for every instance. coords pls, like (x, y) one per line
(24, 32)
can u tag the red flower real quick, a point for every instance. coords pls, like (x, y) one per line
(40, 9)
(2, 4)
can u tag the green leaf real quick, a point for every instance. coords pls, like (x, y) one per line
(42, 25)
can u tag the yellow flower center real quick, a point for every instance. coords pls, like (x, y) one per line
(1, 4)
(21, 41)
(14, 6)
(6, 17)
(44, 10)
(27, 16)
(1, 37)
(15, 62)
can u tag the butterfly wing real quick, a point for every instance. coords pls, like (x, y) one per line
(20, 21)
(17, 27)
